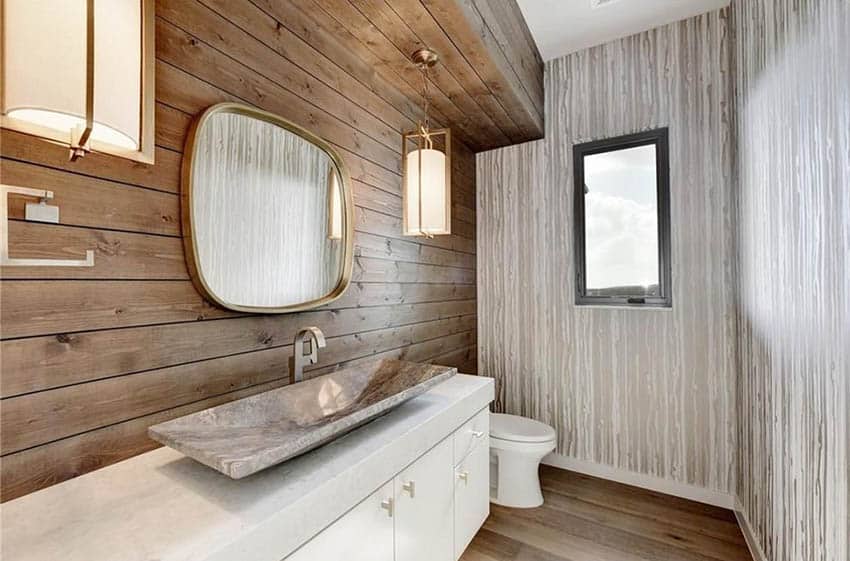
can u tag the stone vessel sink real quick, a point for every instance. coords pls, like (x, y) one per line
(245, 436)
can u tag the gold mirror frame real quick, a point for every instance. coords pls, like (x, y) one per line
(186, 196)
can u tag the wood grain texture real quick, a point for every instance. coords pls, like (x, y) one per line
(792, 81)
(649, 391)
(589, 519)
(58, 461)
(495, 55)
(476, 87)
(34, 364)
(91, 357)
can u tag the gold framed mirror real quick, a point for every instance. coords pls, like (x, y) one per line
(268, 212)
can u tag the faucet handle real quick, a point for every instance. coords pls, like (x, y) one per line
(316, 336)
(317, 341)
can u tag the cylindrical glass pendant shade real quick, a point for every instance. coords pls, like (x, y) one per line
(426, 180)
(45, 69)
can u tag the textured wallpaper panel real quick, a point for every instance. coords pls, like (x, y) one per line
(648, 391)
(792, 76)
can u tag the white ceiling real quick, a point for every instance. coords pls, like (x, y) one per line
(564, 26)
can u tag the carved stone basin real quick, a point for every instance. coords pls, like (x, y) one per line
(245, 436)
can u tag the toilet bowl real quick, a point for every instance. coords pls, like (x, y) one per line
(517, 445)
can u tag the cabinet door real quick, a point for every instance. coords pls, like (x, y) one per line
(472, 494)
(423, 498)
(364, 533)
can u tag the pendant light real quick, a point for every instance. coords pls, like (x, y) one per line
(426, 168)
(80, 72)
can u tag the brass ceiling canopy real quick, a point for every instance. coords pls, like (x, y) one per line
(425, 58)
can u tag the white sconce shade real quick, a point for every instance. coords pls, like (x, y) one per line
(427, 186)
(80, 72)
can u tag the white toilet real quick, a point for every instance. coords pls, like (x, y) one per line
(517, 445)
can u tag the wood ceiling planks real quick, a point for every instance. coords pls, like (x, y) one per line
(505, 61)
(489, 85)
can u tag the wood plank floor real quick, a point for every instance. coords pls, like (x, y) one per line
(589, 519)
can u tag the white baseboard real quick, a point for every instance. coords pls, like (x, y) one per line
(749, 535)
(658, 484)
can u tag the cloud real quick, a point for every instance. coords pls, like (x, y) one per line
(621, 238)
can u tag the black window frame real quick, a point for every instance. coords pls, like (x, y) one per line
(659, 138)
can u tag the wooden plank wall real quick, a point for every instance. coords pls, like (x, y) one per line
(92, 357)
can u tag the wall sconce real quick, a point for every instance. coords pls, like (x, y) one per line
(81, 73)
(426, 169)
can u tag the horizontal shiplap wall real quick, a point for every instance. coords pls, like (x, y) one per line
(92, 357)
(792, 78)
(648, 391)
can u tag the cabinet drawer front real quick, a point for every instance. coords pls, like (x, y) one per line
(471, 434)
(364, 533)
(472, 495)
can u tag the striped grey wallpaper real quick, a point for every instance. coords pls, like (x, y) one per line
(792, 76)
(648, 391)
(744, 387)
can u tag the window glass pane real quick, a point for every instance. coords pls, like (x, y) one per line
(621, 223)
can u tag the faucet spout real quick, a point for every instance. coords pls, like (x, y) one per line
(299, 358)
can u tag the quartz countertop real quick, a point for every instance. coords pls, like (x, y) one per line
(163, 506)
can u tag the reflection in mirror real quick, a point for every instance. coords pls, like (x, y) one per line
(267, 212)
(335, 210)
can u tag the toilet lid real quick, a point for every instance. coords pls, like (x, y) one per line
(519, 429)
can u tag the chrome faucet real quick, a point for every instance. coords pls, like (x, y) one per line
(316, 338)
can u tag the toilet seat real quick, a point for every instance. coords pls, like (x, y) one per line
(519, 429)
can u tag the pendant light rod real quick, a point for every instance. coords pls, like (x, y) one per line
(425, 59)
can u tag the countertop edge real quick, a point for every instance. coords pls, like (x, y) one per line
(161, 505)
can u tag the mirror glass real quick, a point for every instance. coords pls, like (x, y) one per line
(269, 214)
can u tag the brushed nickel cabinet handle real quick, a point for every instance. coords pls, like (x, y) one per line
(477, 433)
(463, 476)
(387, 504)
(410, 488)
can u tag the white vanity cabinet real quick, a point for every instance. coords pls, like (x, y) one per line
(430, 511)
(364, 533)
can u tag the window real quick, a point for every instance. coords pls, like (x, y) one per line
(622, 221)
